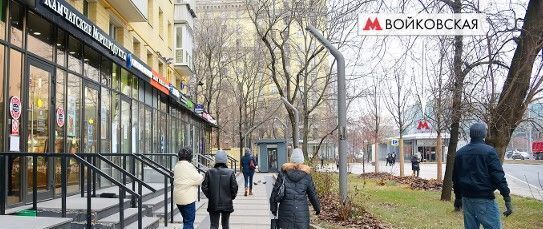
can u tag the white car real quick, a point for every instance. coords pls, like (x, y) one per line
(521, 155)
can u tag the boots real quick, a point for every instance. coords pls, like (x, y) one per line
(251, 192)
(246, 189)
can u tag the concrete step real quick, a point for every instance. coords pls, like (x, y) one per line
(27, 222)
(113, 221)
(147, 223)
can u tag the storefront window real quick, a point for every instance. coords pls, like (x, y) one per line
(116, 73)
(14, 163)
(142, 128)
(135, 131)
(115, 123)
(3, 4)
(59, 129)
(91, 61)
(1, 93)
(16, 21)
(125, 82)
(61, 47)
(105, 120)
(135, 89)
(106, 70)
(40, 36)
(74, 54)
(148, 130)
(73, 127)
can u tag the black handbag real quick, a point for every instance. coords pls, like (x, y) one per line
(281, 192)
(274, 223)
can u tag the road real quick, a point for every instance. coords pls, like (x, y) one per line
(526, 173)
(528, 186)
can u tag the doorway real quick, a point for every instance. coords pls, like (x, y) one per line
(38, 129)
(272, 160)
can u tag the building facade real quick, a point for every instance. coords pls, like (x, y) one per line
(83, 76)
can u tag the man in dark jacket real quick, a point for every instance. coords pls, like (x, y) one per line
(477, 174)
(299, 186)
(248, 171)
(220, 187)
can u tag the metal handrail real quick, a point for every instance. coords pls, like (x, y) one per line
(64, 196)
(103, 158)
(155, 163)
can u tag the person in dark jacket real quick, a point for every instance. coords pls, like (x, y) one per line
(477, 174)
(248, 171)
(299, 186)
(220, 187)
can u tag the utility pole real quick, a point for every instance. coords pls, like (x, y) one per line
(342, 109)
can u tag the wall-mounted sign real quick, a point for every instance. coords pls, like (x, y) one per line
(15, 127)
(394, 142)
(15, 107)
(75, 18)
(61, 119)
(174, 91)
(423, 125)
(199, 108)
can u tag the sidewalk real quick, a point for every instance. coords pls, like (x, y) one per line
(250, 212)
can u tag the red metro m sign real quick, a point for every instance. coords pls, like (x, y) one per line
(423, 125)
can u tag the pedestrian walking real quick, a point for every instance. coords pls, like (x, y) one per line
(393, 158)
(293, 187)
(220, 187)
(388, 159)
(477, 174)
(248, 165)
(415, 164)
(186, 182)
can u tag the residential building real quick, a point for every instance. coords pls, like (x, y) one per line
(87, 77)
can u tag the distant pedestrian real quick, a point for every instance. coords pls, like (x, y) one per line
(415, 164)
(388, 159)
(185, 192)
(298, 185)
(248, 165)
(393, 158)
(477, 174)
(220, 187)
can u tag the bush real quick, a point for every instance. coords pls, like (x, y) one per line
(324, 183)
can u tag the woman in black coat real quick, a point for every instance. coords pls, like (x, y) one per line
(299, 186)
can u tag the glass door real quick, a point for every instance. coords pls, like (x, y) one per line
(38, 128)
(126, 133)
(90, 118)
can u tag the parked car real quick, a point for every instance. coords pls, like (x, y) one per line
(520, 155)
(508, 154)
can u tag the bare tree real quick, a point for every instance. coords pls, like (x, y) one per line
(399, 108)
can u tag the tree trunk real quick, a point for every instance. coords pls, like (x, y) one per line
(376, 159)
(402, 172)
(305, 137)
(514, 98)
(456, 114)
(439, 152)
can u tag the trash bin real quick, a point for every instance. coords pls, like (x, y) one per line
(26, 213)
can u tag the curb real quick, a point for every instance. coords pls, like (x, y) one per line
(313, 226)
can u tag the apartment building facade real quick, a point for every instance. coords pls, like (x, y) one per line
(90, 76)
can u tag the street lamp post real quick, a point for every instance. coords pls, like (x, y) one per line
(342, 109)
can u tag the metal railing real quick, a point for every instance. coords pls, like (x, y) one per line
(92, 170)
(233, 162)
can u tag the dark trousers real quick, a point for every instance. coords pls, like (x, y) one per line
(214, 219)
(189, 214)
(248, 177)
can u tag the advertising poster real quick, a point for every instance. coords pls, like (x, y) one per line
(71, 117)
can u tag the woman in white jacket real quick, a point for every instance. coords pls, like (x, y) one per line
(186, 181)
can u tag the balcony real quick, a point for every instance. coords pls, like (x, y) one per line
(183, 12)
(183, 61)
(131, 10)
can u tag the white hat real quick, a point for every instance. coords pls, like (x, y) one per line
(297, 156)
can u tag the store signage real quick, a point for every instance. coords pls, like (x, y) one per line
(199, 108)
(423, 125)
(60, 117)
(394, 142)
(87, 27)
(174, 91)
(15, 127)
(15, 107)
